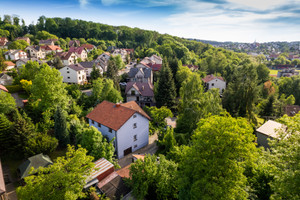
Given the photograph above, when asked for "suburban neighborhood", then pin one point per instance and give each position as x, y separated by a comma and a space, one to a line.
92, 111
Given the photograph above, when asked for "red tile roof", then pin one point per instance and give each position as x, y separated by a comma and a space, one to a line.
211, 77
9, 63
88, 46
155, 67
115, 115
2, 87
76, 49
51, 47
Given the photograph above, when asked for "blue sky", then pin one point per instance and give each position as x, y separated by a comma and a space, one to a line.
220, 20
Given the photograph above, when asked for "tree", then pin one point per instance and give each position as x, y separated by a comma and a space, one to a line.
44, 35
165, 92
48, 90
284, 157
57, 63
97, 145
40, 143
166, 140
153, 179
62, 180
195, 104
18, 44
5, 134
7, 102
262, 73
60, 127
213, 166
95, 74
158, 116
26, 85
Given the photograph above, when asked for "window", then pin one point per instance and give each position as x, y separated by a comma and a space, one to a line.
79, 78
67, 68
132, 92
212, 84
68, 72
135, 138
134, 116
110, 130
134, 125
93, 122
68, 77
99, 125
135, 146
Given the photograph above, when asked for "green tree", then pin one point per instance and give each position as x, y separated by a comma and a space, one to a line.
40, 143
57, 63
62, 180
48, 90
60, 127
96, 145
44, 35
7, 102
18, 44
165, 93
152, 179
213, 166
284, 157
95, 74
5, 134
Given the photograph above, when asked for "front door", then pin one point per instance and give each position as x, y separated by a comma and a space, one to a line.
127, 151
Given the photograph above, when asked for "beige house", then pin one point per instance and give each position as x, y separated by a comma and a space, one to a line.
74, 73
68, 58
36, 52
269, 130
80, 51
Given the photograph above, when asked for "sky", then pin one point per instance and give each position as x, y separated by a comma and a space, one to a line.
217, 20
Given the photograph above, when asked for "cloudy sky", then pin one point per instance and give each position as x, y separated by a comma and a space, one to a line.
219, 20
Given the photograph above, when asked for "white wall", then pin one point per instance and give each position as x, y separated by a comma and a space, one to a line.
73, 76
103, 129
125, 135
217, 83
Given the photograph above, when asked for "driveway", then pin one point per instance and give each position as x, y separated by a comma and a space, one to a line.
151, 148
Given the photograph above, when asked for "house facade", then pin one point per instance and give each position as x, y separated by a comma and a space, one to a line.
3, 43
68, 58
73, 74
36, 52
26, 39
88, 47
127, 123
140, 74
88, 66
122, 53
141, 93
212, 81
15, 55
48, 49
80, 51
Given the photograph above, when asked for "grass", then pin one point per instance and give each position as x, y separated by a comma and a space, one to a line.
273, 72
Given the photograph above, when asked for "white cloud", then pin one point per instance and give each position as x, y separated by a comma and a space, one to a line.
259, 4
83, 3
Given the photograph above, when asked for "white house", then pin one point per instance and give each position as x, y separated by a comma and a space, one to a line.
126, 122
73, 74
212, 81
15, 55
88, 66
68, 58
81, 52
102, 60
9, 65
269, 130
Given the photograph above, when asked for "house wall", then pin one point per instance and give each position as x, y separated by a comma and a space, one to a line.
217, 83
262, 139
125, 135
103, 129
72, 76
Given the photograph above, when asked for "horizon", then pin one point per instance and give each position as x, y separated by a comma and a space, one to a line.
216, 20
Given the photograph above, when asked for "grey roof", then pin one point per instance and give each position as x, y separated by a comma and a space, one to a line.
76, 67
87, 64
36, 161
134, 71
271, 128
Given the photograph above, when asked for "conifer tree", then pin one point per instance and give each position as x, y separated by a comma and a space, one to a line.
5, 133
60, 127
165, 93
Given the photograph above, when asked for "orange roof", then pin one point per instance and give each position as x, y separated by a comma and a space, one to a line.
124, 172
211, 77
115, 115
137, 156
9, 63
88, 46
2, 87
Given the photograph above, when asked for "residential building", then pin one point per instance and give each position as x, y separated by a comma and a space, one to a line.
48, 42
154, 59
212, 81
122, 53
74, 73
15, 55
26, 39
88, 66
3, 194
88, 47
74, 43
9, 65
287, 73
268, 130
139, 74
68, 58
102, 60
21, 62
81, 52
35, 52
3, 43
5, 79
35, 162
127, 123
48, 49
141, 93
291, 110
